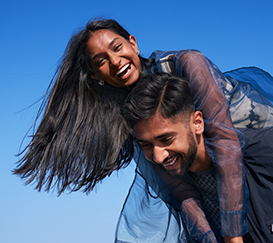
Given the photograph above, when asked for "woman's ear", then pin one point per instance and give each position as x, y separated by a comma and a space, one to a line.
133, 43
198, 122
94, 76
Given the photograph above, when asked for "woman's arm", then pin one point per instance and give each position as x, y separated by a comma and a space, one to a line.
223, 144
228, 239
189, 198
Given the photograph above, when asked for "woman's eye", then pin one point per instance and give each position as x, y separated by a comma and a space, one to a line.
99, 62
117, 47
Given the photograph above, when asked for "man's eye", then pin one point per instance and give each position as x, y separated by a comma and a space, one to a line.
143, 145
167, 140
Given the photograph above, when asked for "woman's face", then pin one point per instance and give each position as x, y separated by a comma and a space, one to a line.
113, 58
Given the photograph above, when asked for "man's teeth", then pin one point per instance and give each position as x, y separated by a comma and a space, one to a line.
122, 69
171, 163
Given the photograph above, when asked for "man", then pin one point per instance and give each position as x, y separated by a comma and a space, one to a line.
174, 140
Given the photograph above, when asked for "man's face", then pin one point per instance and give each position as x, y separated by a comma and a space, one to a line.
170, 143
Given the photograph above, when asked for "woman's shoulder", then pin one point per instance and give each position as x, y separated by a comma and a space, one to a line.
159, 54
167, 61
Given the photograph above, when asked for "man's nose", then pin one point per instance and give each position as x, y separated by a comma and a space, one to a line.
159, 154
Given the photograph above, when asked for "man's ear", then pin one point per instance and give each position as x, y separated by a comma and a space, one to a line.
198, 122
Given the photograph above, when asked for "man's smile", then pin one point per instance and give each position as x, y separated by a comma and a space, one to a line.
170, 164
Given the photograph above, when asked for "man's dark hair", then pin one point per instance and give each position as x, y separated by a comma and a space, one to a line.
161, 93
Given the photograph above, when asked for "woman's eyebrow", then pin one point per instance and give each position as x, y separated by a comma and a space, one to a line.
110, 44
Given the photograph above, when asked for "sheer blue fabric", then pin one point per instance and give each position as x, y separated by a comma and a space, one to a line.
145, 217
256, 77
224, 100
250, 97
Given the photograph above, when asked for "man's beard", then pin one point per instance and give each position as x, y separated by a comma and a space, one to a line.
186, 160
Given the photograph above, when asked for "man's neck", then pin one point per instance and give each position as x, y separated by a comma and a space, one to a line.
202, 161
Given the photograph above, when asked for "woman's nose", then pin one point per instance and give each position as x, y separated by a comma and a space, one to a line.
114, 60
159, 154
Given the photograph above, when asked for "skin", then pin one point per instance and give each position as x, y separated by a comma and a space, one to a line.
174, 144
167, 142
113, 58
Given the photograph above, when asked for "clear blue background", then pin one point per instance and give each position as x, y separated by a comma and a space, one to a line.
34, 34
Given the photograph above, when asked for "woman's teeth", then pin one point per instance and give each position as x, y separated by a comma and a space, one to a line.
119, 72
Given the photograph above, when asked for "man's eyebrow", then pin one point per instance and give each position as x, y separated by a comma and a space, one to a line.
158, 137
165, 135
110, 44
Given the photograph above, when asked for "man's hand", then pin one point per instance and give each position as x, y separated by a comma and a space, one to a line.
238, 239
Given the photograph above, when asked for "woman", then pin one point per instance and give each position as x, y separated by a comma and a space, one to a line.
82, 137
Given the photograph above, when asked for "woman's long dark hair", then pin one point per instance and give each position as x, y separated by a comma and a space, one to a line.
82, 136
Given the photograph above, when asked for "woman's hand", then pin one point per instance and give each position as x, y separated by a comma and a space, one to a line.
238, 239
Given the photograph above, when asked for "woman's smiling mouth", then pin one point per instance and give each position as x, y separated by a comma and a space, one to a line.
124, 72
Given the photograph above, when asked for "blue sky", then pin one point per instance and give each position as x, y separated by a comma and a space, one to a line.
34, 34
